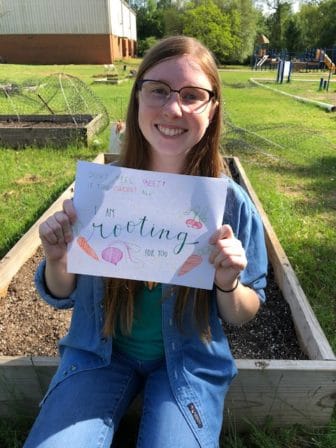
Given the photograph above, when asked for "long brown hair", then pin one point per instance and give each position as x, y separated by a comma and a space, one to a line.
204, 159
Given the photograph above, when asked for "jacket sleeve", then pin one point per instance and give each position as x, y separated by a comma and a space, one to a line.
40, 284
247, 226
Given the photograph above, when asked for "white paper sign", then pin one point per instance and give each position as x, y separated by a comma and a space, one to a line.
145, 225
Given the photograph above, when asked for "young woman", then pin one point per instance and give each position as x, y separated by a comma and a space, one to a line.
167, 342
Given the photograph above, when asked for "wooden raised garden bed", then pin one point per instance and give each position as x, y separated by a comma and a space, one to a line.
289, 391
47, 130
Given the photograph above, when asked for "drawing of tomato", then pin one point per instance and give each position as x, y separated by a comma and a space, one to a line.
194, 224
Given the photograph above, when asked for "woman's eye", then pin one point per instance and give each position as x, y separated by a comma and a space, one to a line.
192, 96
160, 91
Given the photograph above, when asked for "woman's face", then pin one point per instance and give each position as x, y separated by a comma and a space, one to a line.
170, 130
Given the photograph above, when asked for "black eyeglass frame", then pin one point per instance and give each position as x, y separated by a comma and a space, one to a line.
140, 83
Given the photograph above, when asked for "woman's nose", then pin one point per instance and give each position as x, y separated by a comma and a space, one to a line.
173, 105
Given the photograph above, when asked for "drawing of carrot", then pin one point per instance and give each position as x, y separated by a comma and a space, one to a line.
85, 246
190, 263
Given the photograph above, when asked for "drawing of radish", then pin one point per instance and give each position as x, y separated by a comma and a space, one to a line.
85, 246
112, 255
194, 224
190, 263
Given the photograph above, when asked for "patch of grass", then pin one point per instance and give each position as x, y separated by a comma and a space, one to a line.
305, 87
14, 431
268, 436
30, 181
288, 151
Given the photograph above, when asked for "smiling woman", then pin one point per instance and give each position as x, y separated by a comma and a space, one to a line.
175, 109
173, 125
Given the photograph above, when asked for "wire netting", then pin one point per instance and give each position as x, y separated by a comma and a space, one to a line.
276, 140
57, 94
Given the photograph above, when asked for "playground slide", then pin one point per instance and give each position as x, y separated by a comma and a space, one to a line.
262, 60
328, 62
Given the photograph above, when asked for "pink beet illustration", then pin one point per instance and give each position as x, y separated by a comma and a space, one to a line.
112, 255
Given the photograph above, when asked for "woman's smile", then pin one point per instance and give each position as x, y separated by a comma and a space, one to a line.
170, 131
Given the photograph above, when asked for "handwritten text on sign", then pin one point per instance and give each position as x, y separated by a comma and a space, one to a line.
145, 225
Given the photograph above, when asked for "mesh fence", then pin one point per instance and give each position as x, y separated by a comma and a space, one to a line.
57, 94
278, 141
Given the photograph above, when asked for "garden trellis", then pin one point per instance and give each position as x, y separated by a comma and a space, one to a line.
58, 94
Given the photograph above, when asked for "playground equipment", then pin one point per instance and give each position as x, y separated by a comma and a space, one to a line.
262, 61
310, 60
323, 57
261, 53
284, 71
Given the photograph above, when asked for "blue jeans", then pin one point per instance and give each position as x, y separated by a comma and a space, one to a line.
84, 410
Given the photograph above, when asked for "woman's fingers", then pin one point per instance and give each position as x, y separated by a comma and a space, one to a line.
70, 211
57, 229
222, 233
228, 253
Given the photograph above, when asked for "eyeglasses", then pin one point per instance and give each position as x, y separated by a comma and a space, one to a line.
158, 93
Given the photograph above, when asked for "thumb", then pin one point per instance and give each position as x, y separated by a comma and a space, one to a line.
222, 233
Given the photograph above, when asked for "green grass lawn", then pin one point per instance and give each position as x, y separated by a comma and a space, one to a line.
306, 85
288, 151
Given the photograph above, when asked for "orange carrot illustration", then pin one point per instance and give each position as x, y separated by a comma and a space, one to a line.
189, 264
85, 246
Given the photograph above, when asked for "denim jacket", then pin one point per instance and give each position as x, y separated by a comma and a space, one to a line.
199, 373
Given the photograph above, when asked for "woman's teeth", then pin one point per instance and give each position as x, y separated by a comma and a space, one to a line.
169, 131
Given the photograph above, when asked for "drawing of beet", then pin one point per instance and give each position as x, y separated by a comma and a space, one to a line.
85, 246
190, 263
112, 255
194, 224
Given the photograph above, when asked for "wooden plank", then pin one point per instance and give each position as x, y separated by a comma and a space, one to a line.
20, 389
44, 367
83, 118
312, 338
302, 392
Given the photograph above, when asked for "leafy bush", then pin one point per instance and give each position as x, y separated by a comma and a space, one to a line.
145, 44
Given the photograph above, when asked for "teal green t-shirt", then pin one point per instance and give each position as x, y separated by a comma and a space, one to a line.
145, 341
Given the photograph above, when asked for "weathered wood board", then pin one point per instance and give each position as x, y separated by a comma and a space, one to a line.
47, 130
289, 392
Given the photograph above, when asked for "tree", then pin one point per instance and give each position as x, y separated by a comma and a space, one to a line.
211, 26
150, 21
277, 24
327, 33
309, 20
292, 35
243, 17
172, 21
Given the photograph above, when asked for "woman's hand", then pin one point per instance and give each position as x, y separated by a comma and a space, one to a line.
228, 257
56, 232
236, 303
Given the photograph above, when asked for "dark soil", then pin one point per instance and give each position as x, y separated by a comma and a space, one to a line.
28, 326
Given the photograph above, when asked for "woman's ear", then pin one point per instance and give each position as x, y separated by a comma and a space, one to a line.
213, 109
